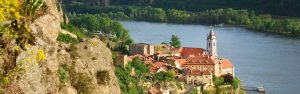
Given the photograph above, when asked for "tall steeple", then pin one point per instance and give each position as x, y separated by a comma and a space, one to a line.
212, 43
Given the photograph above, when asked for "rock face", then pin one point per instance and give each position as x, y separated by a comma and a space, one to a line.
38, 68
95, 56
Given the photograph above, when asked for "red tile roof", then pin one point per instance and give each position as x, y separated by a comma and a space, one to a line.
226, 64
187, 51
206, 72
153, 69
181, 61
195, 73
156, 66
200, 60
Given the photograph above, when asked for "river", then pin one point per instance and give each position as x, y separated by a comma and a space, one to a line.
259, 58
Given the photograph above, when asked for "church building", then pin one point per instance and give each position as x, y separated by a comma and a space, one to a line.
202, 64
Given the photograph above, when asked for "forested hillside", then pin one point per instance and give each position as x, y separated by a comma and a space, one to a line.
275, 7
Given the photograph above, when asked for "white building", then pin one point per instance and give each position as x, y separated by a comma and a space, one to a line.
212, 44
226, 67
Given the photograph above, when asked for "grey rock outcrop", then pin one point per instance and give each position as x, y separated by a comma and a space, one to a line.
38, 66
95, 56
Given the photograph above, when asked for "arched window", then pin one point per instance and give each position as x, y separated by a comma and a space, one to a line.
209, 44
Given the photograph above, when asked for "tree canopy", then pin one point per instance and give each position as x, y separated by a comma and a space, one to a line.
175, 42
109, 30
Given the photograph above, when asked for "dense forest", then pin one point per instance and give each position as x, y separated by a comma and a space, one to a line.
246, 18
274, 7
208, 12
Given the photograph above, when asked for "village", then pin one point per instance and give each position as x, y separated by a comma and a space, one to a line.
193, 66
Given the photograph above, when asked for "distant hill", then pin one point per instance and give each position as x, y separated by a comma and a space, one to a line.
274, 7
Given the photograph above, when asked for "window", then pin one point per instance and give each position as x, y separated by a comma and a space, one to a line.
208, 44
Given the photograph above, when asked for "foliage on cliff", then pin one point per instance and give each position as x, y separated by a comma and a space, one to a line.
142, 80
14, 28
15, 38
130, 84
15, 17
33, 62
67, 38
111, 32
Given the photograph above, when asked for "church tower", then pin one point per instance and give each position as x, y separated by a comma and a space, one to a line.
212, 43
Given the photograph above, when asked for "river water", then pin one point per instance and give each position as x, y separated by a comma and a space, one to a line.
259, 58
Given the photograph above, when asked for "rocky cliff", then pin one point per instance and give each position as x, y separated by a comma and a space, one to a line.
56, 68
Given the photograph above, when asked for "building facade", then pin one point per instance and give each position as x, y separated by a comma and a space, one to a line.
141, 49
121, 60
199, 78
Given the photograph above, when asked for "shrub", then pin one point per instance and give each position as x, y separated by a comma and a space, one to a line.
218, 80
103, 77
67, 38
82, 83
235, 83
63, 73
73, 51
5, 80
228, 78
80, 33
94, 58
194, 91
164, 76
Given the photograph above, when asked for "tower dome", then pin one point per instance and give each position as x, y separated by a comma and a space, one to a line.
211, 35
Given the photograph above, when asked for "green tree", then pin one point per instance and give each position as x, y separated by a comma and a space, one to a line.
228, 78
110, 31
194, 91
164, 76
175, 42
218, 81
139, 66
235, 83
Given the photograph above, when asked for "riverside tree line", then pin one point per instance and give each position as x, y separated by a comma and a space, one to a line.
229, 16
274, 7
